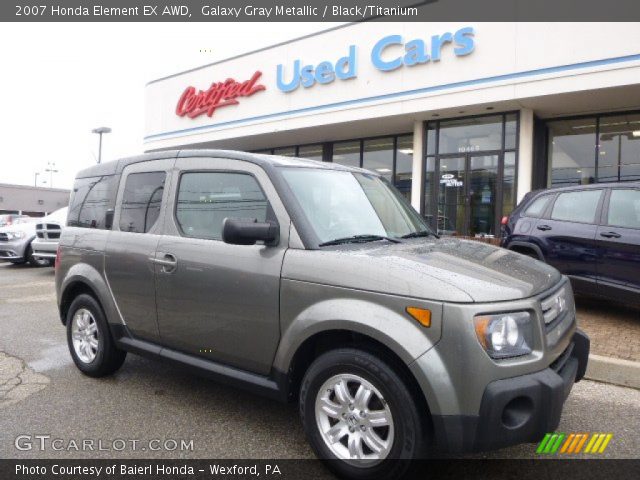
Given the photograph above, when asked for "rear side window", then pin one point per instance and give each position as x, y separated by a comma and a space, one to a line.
90, 201
205, 199
624, 208
537, 207
141, 201
578, 206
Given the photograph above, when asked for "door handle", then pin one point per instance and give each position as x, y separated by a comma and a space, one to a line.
168, 262
544, 228
610, 235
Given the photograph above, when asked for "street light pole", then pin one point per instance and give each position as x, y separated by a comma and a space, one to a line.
35, 180
100, 131
51, 170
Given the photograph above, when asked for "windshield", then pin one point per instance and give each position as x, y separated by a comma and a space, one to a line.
341, 204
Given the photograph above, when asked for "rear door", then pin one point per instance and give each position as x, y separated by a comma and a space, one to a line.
568, 233
619, 241
216, 300
137, 224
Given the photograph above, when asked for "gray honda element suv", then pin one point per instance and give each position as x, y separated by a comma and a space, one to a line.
317, 283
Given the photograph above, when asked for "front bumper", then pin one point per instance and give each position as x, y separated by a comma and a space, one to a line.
518, 409
43, 249
12, 250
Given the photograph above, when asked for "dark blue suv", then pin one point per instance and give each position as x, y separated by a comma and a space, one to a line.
591, 233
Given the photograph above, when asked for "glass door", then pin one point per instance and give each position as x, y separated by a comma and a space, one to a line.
482, 194
452, 195
467, 193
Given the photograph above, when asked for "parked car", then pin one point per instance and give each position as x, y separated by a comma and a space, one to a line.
317, 283
11, 218
591, 233
15, 242
48, 229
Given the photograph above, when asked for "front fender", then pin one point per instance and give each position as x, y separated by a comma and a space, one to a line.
308, 309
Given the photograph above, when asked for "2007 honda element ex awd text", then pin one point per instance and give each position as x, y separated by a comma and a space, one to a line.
317, 283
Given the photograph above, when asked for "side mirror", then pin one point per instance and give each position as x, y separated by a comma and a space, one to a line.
242, 231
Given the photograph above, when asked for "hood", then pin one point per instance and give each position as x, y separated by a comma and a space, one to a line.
59, 217
27, 227
448, 270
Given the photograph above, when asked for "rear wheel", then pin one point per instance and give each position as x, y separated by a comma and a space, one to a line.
89, 339
359, 415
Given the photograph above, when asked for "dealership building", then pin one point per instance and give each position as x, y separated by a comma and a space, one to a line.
464, 118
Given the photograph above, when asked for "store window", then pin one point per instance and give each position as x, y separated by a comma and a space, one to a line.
378, 156
205, 199
571, 151
470, 174
391, 157
404, 165
285, 151
470, 135
597, 149
619, 148
312, 152
141, 201
347, 153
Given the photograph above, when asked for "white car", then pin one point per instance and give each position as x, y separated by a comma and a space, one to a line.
48, 230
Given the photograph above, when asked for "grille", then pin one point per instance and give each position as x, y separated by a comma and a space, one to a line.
48, 231
554, 306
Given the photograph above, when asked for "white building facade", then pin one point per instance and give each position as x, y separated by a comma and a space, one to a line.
464, 118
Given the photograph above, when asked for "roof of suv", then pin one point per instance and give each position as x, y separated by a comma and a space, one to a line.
588, 186
116, 166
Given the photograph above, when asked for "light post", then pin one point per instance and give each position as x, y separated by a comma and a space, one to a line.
51, 169
100, 131
35, 180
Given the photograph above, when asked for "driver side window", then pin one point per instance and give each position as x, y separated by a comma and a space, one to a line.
205, 199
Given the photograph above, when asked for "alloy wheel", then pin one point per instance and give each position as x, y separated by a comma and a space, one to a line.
84, 333
354, 420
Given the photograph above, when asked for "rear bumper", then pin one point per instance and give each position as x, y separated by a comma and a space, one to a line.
519, 409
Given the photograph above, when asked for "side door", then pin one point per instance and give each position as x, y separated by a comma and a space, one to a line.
567, 232
137, 223
618, 238
216, 300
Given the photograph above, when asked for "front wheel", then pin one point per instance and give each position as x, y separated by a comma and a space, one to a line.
36, 261
359, 415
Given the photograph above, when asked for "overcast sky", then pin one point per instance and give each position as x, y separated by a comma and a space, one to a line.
58, 81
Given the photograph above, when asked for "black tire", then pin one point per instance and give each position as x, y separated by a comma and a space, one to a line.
409, 433
108, 358
35, 262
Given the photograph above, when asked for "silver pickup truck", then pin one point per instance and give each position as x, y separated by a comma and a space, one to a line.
317, 283
48, 230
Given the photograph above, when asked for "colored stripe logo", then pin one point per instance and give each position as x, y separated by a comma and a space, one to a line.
562, 443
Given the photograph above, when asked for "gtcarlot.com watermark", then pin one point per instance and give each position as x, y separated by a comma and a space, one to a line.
47, 442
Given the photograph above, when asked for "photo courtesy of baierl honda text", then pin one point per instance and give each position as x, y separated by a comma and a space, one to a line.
304, 240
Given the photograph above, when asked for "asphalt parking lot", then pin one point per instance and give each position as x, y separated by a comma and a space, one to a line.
42, 393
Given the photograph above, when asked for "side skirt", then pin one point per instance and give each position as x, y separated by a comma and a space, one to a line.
259, 384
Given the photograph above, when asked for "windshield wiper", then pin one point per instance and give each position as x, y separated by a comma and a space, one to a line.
358, 239
421, 233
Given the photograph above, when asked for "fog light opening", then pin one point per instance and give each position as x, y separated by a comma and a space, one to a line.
517, 412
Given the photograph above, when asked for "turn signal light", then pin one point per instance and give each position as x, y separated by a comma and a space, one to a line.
58, 258
422, 315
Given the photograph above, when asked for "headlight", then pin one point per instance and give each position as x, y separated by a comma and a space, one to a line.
15, 235
505, 335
